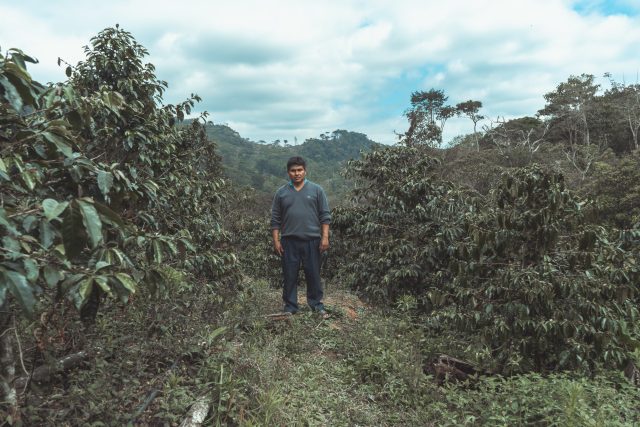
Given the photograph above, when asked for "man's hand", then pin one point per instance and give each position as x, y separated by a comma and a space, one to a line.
324, 238
324, 244
277, 248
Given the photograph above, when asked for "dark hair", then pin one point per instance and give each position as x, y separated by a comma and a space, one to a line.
296, 161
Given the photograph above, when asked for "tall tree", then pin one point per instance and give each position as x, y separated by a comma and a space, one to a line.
569, 106
471, 109
427, 116
625, 100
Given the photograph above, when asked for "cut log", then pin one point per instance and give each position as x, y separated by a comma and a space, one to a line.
447, 373
45, 372
447, 368
198, 412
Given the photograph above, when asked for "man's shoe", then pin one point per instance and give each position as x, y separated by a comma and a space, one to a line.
323, 313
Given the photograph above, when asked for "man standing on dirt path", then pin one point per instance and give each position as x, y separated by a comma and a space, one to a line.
300, 219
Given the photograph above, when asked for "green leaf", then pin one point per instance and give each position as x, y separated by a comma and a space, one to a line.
20, 289
11, 244
105, 182
126, 281
47, 234
123, 285
28, 179
70, 281
32, 269
101, 264
171, 246
73, 234
109, 216
52, 209
59, 142
5, 221
52, 275
29, 223
83, 291
157, 251
18, 53
91, 221
19, 61
11, 94
21, 81
104, 285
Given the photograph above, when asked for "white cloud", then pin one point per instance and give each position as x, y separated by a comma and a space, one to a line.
288, 68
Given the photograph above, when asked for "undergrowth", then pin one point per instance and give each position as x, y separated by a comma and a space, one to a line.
361, 367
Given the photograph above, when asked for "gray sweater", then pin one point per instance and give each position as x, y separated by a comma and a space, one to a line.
299, 213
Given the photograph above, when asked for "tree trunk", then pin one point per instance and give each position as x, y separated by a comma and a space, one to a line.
7, 361
634, 132
45, 372
586, 129
475, 135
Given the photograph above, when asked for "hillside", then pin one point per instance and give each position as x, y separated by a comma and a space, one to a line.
494, 282
262, 166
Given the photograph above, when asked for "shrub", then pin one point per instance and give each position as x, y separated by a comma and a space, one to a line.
100, 189
522, 273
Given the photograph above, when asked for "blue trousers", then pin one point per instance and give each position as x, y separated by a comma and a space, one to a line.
307, 252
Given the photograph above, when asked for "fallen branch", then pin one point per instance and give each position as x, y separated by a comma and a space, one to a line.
198, 412
152, 395
278, 316
45, 372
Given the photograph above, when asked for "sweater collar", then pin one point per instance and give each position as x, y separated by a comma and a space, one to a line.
291, 183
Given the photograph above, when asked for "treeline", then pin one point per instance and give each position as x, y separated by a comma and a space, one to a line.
263, 166
577, 112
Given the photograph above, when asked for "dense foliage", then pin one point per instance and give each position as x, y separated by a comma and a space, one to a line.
523, 273
100, 190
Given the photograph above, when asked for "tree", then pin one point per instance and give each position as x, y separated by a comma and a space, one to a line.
100, 189
569, 107
521, 274
471, 109
427, 116
626, 103
527, 132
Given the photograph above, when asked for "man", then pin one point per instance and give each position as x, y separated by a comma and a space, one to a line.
300, 219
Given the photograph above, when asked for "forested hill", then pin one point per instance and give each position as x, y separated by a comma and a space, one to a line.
263, 166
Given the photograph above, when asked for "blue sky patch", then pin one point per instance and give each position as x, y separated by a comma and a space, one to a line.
608, 7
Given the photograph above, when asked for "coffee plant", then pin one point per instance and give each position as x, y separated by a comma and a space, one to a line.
523, 273
99, 187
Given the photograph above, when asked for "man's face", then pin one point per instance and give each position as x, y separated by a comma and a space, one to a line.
297, 174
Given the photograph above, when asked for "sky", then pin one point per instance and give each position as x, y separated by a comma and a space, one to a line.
294, 69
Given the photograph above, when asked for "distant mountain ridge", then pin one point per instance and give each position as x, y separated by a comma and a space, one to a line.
263, 166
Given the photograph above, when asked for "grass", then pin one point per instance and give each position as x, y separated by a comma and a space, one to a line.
361, 367
365, 367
